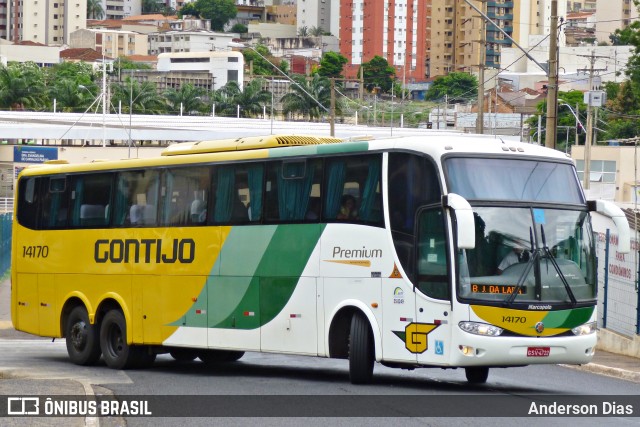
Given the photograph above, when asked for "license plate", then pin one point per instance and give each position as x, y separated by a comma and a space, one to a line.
538, 351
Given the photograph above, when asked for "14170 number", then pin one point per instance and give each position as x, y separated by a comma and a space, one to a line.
35, 251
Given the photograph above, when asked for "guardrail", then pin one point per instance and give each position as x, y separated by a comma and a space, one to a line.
5, 243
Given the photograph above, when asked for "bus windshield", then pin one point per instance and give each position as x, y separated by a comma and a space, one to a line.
513, 180
529, 255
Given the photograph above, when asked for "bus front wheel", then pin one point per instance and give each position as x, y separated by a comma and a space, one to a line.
361, 350
83, 343
477, 375
113, 340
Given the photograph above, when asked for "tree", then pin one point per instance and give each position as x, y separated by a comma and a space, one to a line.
151, 6
123, 63
332, 64
188, 9
22, 86
251, 99
94, 9
71, 97
565, 118
624, 36
187, 99
80, 72
456, 86
239, 28
305, 96
261, 66
144, 96
378, 74
316, 31
303, 31
219, 12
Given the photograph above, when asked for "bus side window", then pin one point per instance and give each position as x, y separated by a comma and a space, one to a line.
136, 198
290, 187
28, 202
90, 196
54, 202
238, 193
186, 194
352, 189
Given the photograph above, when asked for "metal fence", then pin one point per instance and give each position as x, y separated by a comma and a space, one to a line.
618, 297
5, 243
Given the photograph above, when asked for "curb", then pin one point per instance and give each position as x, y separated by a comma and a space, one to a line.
608, 371
6, 324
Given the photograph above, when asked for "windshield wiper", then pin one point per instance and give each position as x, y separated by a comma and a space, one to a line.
557, 267
525, 272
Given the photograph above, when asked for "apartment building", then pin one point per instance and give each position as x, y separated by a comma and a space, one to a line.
111, 43
188, 41
400, 36
612, 15
319, 13
114, 9
49, 22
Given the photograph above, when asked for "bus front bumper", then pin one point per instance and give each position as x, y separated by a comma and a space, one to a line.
475, 350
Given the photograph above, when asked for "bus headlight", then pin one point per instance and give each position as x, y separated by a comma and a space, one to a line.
480, 328
586, 329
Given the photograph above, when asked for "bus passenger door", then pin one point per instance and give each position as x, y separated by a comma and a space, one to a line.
432, 330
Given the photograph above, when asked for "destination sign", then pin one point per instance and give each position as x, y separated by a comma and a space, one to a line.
497, 289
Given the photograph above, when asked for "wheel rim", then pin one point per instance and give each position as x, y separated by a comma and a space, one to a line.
79, 335
115, 341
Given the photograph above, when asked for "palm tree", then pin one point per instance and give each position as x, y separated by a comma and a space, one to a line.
316, 31
189, 96
224, 98
71, 97
305, 97
22, 86
252, 99
94, 9
143, 97
303, 31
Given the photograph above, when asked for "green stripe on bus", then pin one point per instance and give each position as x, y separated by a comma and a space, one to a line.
568, 318
260, 268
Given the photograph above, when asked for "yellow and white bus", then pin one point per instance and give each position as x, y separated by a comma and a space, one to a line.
429, 251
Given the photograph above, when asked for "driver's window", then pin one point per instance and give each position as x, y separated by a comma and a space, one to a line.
432, 254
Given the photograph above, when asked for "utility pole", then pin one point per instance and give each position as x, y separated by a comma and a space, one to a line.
481, 58
589, 137
552, 81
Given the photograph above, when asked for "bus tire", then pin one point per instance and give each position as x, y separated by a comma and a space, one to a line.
361, 350
83, 342
213, 357
183, 354
477, 374
113, 340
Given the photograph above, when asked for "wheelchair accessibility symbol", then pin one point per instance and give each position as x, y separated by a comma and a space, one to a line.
439, 347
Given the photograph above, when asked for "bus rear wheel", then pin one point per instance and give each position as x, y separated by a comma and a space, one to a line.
113, 340
83, 343
212, 357
361, 350
183, 354
477, 375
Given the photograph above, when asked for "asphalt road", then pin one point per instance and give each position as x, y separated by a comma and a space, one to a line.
274, 383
